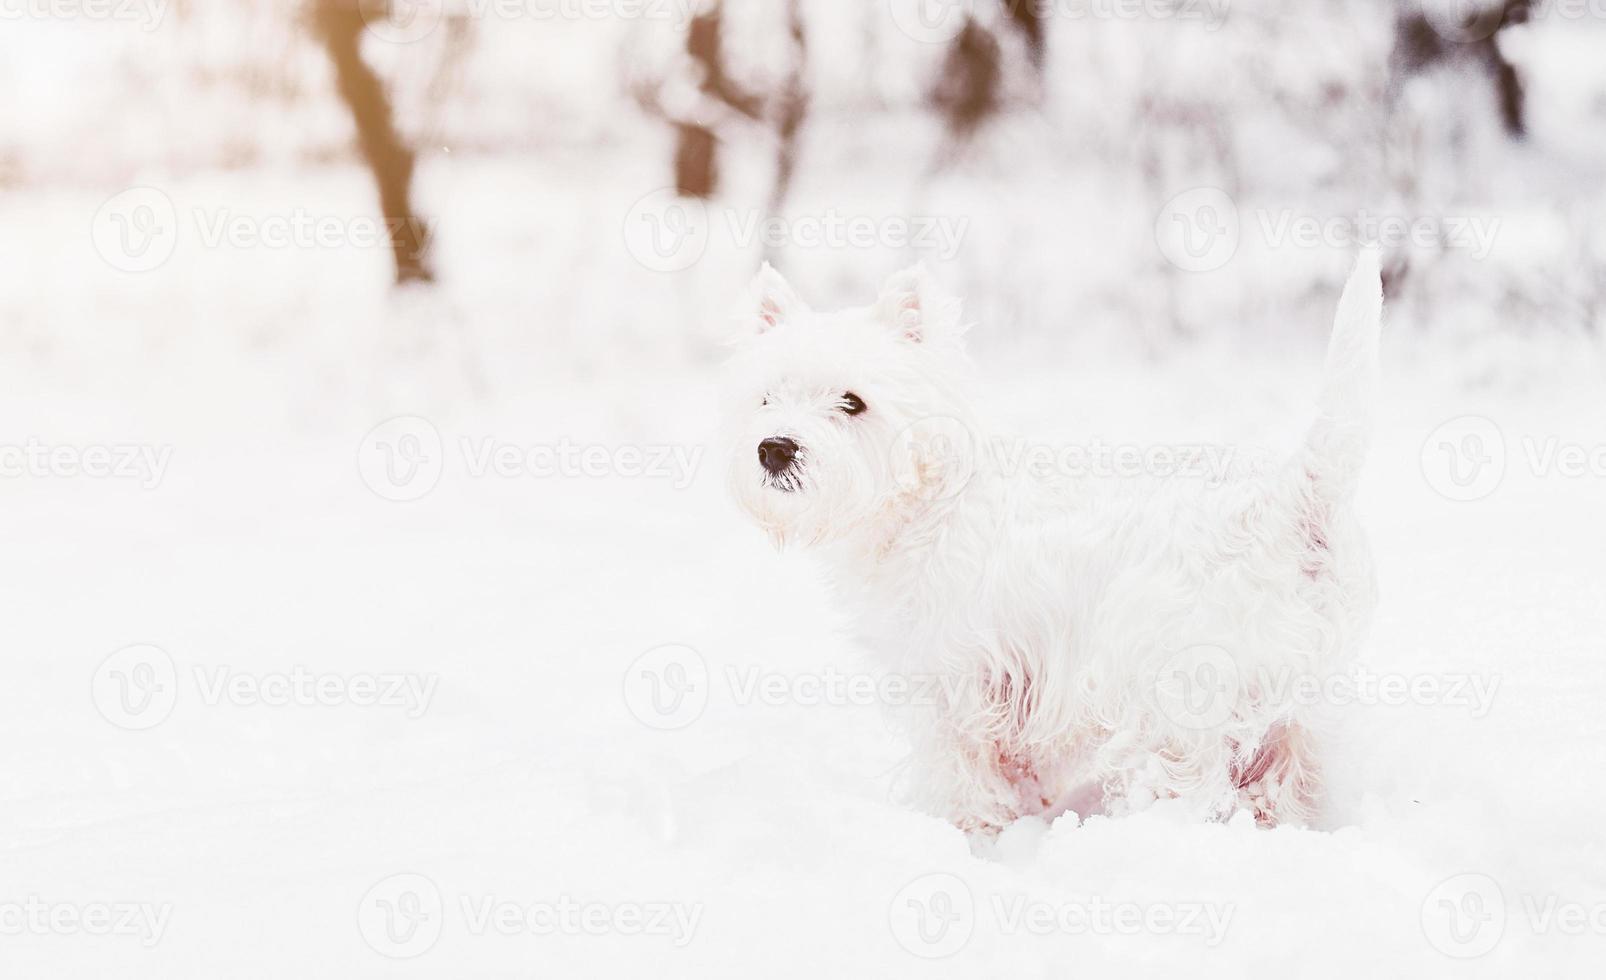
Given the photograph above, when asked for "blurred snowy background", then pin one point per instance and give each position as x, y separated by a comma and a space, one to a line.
279, 281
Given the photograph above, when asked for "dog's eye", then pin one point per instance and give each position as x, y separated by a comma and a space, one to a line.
852, 404
766, 401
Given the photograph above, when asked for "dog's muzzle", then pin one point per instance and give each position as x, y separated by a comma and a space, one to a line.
777, 455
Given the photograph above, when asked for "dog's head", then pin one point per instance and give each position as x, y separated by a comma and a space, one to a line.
834, 417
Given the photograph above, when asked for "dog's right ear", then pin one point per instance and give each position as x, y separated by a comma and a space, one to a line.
772, 300
912, 304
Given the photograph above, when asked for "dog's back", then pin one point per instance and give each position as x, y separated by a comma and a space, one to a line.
1148, 634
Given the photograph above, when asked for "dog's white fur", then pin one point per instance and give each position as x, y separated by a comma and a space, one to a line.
1056, 609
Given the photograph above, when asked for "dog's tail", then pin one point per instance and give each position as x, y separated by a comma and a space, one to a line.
1336, 444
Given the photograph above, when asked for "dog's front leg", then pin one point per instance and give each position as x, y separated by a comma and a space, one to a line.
962, 780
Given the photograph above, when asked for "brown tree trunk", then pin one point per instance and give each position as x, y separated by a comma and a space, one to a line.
1026, 15
339, 25
696, 161
969, 91
791, 108
696, 144
1472, 43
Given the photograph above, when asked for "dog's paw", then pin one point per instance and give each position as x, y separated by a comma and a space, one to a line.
1253, 798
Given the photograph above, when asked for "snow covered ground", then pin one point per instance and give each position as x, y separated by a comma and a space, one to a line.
565, 714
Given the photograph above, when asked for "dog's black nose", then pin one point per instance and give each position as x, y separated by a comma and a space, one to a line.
776, 455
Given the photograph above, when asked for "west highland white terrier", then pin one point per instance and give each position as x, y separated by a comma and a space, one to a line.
1102, 641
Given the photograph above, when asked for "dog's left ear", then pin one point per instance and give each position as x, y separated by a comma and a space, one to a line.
772, 300
912, 304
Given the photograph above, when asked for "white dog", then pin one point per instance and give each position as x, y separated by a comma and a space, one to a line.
1102, 642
